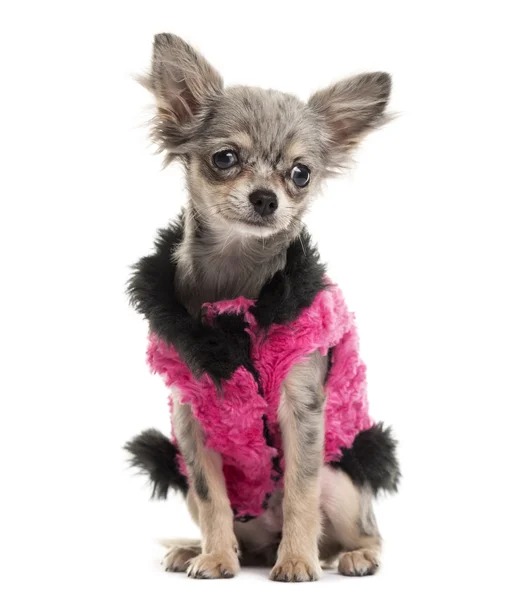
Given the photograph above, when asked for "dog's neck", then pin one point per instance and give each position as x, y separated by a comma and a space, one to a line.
216, 262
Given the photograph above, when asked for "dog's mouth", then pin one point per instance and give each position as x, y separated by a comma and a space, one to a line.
271, 222
254, 226
250, 223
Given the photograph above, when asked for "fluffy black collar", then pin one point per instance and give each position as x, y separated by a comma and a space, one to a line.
220, 349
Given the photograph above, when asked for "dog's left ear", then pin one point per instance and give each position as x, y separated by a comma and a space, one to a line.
352, 108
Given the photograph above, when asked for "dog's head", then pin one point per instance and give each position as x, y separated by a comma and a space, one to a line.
255, 157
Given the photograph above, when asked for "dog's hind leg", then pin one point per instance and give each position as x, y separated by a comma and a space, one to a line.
350, 524
179, 553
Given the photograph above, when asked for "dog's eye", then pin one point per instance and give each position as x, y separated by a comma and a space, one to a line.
300, 175
225, 159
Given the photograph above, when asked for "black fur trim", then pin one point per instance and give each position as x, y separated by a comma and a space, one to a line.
294, 287
153, 454
221, 348
329, 363
217, 350
372, 460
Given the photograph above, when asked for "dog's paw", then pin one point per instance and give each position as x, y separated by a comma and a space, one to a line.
359, 563
295, 569
177, 557
216, 565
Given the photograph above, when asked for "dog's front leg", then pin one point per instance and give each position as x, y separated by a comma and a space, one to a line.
219, 556
301, 419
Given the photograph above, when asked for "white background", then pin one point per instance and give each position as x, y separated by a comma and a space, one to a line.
425, 236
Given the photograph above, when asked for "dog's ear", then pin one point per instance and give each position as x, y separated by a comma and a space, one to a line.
351, 108
183, 82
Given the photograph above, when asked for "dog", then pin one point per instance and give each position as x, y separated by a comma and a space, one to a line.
272, 445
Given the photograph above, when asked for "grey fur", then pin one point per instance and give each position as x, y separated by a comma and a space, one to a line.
367, 522
217, 264
229, 249
189, 437
304, 398
350, 109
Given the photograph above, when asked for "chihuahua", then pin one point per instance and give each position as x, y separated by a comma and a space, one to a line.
235, 275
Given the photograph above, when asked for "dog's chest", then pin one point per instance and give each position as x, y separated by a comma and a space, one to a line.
212, 274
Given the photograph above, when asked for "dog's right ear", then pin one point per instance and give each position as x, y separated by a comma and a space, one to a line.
183, 82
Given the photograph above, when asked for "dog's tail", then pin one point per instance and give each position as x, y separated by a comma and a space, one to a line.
153, 454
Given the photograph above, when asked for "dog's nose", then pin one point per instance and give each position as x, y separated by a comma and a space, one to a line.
265, 202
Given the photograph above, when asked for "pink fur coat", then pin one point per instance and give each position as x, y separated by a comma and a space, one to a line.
241, 422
